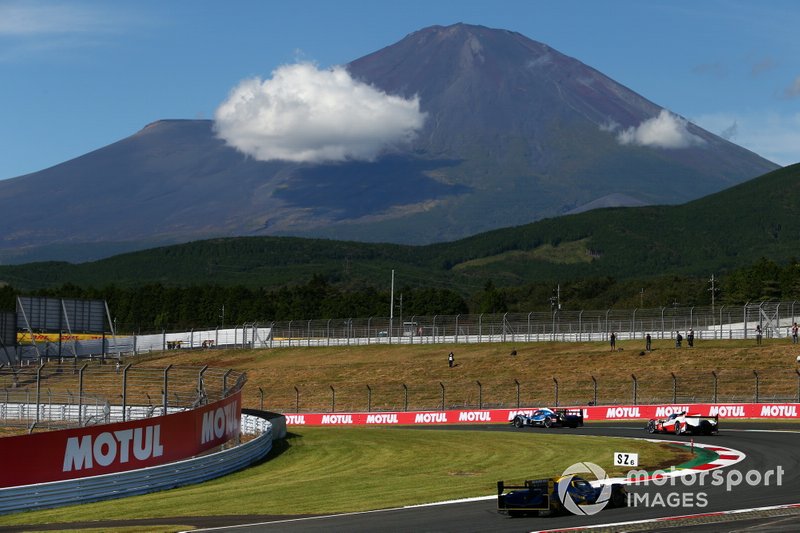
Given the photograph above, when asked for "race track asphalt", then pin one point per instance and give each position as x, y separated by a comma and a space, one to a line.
767, 447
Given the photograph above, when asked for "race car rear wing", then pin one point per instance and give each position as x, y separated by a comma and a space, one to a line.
572, 413
715, 418
538, 497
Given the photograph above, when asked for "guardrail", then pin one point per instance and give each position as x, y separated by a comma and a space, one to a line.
152, 479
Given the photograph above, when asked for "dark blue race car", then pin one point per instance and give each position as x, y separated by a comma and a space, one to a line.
548, 418
540, 496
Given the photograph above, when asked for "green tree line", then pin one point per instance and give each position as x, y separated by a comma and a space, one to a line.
154, 306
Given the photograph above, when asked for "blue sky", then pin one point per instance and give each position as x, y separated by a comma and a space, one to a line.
79, 75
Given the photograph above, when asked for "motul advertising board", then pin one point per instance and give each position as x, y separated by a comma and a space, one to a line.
109, 448
611, 412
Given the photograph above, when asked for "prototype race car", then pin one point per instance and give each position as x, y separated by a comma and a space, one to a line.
682, 423
547, 418
540, 496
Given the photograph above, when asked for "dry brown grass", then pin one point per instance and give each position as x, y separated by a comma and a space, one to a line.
422, 368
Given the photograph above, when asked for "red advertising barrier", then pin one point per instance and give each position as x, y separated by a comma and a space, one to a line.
117, 447
615, 412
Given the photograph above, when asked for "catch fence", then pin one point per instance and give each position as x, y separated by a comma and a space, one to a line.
560, 389
56, 395
774, 319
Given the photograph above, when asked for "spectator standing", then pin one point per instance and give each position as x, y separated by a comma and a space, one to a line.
758, 334
690, 338
613, 341
678, 339
647, 341
451, 359
794, 333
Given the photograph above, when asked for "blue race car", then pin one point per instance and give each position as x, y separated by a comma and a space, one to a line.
540, 496
548, 418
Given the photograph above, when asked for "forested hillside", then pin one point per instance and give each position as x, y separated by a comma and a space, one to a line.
747, 236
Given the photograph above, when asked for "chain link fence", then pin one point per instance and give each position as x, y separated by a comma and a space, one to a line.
774, 320
61, 394
568, 389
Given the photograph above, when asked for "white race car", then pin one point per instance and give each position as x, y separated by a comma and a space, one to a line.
682, 423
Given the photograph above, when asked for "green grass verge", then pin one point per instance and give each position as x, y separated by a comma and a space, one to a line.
333, 470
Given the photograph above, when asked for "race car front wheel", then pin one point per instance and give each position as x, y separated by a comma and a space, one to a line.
677, 428
518, 422
651, 426
548, 422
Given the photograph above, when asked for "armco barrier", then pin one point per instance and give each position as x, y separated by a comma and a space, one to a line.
142, 481
603, 412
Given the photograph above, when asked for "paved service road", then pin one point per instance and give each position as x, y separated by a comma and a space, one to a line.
766, 449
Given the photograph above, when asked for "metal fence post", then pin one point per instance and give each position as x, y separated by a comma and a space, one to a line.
594, 386
296, 400
164, 392
674, 388
333, 399
634, 389
369, 398
80, 393
125, 389
480, 394
755, 373
442, 386
555, 381
405, 397
261, 398
713, 373
201, 384
517, 384
38, 388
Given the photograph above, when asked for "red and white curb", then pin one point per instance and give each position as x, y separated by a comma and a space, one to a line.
670, 518
725, 457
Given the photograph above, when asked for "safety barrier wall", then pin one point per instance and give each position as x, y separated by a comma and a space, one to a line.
145, 480
605, 412
120, 446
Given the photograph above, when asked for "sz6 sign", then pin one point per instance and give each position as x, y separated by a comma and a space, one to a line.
626, 459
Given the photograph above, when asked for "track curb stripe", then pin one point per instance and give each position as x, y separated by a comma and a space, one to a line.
670, 518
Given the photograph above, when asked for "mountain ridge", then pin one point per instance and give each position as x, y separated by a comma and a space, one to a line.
516, 132
695, 238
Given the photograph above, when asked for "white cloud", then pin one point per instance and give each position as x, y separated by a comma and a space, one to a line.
47, 18
793, 91
36, 29
664, 131
304, 114
771, 135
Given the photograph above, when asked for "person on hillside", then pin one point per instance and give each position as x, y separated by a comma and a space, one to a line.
758, 334
794, 333
647, 341
678, 339
613, 340
451, 359
690, 338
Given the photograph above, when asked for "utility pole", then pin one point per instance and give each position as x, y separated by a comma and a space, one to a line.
713, 294
391, 308
555, 301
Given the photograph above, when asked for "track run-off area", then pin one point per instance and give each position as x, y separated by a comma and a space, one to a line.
753, 481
